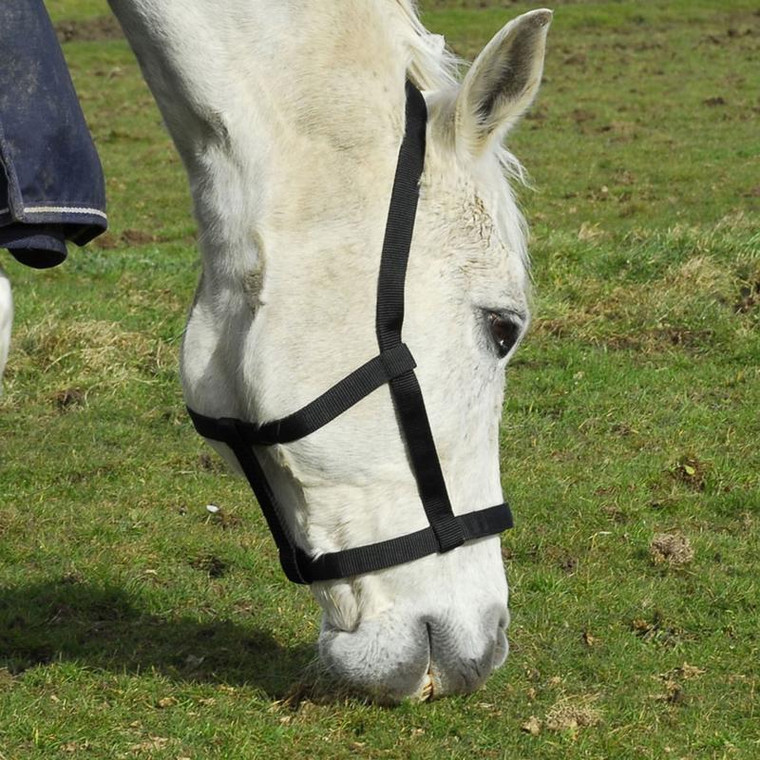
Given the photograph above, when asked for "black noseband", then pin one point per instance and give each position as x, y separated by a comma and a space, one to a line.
393, 365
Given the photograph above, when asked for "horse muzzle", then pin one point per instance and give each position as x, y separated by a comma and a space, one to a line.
418, 657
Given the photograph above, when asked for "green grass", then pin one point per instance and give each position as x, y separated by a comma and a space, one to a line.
135, 624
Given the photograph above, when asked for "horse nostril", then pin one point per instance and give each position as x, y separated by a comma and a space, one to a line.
500, 649
460, 663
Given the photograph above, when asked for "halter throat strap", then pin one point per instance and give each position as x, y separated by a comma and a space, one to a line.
394, 365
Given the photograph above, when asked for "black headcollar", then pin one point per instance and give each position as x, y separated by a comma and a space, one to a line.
393, 365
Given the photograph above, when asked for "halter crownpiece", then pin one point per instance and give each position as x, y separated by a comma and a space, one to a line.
395, 366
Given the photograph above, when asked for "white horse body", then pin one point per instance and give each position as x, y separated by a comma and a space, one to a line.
6, 322
288, 116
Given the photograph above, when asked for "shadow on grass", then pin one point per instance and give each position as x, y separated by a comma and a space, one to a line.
105, 627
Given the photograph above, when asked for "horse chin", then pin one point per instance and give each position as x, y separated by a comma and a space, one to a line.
411, 650
369, 662
426, 663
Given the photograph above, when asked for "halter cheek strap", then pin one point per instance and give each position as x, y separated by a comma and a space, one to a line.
393, 365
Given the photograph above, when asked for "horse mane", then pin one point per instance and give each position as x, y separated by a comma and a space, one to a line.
432, 66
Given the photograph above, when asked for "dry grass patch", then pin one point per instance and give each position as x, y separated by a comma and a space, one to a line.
88, 351
685, 288
701, 276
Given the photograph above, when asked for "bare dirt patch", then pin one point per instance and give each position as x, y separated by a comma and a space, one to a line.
658, 630
129, 238
690, 472
214, 566
684, 672
570, 715
221, 518
659, 339
532, 726
674, 693
749, 295
137, 237
91, 30
212, 463
69, 398
673, 549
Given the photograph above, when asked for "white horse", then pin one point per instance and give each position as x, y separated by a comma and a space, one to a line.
288, 116
6, 322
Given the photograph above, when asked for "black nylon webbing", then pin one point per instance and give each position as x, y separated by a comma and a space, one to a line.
298, 566
399, 228
384, 554
289, 551
394, 365
342, 396
389, 320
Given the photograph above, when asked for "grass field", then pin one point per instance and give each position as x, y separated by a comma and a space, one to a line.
134, 624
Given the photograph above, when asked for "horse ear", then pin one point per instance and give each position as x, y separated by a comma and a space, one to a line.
503, 81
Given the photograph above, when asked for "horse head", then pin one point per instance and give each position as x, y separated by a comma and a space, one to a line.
289, 117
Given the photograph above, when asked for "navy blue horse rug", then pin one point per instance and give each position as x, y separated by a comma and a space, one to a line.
51, 183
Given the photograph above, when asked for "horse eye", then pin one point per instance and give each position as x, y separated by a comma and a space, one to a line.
505, 330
